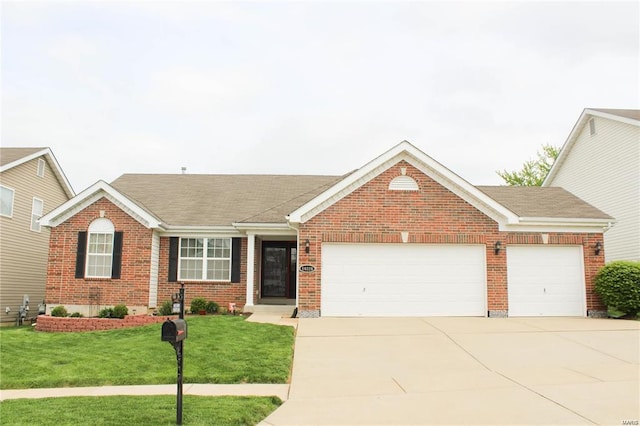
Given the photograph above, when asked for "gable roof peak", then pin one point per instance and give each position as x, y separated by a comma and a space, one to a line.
11, 157
417, 158
99, 190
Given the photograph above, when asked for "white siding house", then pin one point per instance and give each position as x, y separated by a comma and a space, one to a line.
600, 163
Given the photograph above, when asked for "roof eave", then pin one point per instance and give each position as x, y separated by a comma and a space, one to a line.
573, 136
555, 224
53, 162
93, 193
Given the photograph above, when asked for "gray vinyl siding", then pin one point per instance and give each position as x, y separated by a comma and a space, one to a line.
23, 252
604, 170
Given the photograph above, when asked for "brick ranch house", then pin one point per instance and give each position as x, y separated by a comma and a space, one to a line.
401, 236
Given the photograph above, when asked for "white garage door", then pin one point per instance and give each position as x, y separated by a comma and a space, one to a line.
403, 280
545, 280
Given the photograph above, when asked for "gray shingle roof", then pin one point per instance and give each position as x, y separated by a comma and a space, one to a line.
9, 155
220, 200
535, 201
634, 114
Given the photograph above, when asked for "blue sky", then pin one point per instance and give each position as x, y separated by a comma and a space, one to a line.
307, 87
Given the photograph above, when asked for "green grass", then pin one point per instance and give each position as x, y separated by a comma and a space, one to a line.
137, 410
218, 349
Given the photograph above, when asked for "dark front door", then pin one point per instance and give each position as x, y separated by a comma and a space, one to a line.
279, 264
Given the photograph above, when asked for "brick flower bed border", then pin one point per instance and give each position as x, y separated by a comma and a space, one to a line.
59, 324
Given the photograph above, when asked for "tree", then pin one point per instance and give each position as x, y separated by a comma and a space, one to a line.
533, 172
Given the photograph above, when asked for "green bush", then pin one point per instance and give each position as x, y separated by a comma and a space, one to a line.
198, 304
618, 285
166, 308
76, 315
59, 311
212, 307
120, 311
106, 313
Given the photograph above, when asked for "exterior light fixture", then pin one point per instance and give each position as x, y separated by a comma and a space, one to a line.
598, 247
307, 246
497, 247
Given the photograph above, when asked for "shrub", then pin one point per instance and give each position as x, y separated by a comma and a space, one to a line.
166, 308
618, 285
212, 307
198, 304
120, 311
76, 315
106, 313
59, 311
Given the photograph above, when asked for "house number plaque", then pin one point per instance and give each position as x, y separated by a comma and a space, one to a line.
307, 268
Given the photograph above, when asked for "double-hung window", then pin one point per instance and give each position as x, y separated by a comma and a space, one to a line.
6, 201
100, 249
36, 213
206, 259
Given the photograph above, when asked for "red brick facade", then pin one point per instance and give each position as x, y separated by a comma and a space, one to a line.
222, 293
374, 214
131, 289
370, 214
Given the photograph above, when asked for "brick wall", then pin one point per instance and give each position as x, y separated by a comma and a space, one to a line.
131, 289
59, 324
222, 293
373, 214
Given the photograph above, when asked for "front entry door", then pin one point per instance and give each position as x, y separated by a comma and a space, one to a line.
279, 265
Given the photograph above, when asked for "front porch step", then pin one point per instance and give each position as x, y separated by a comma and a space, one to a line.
280, 310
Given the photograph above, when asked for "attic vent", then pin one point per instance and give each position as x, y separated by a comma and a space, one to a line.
592, 127
403, 183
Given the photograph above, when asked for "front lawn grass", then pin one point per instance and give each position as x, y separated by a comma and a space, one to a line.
137, 410
218, 349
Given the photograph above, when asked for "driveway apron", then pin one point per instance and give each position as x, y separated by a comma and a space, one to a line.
415, 371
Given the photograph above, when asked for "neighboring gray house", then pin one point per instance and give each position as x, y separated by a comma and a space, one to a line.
31, 184
600, 163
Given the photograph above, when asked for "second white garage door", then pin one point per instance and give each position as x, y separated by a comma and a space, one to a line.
545, 281
403, 280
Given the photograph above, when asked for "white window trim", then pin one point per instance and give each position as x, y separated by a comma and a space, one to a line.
35, 216
204, 259
13, 200
101, 228
40, 168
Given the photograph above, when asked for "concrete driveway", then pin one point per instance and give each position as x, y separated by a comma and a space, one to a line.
394, 371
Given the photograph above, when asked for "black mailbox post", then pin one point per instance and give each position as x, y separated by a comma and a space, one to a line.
174, 332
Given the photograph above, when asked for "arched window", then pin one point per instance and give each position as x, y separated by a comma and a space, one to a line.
100, 249
403, 183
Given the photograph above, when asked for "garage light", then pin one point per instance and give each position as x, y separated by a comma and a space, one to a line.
598, 247
307, 248
497, 247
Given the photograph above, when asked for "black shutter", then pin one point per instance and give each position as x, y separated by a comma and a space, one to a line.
81, 254
174, 243
235, 260
116, 265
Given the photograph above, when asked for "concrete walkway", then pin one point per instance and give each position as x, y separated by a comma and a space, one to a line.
281, 391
